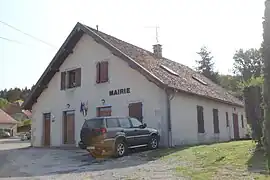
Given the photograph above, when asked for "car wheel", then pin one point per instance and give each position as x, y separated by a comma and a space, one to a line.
120, 148
153, 143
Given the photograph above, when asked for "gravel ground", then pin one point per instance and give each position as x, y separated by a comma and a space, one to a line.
23, 162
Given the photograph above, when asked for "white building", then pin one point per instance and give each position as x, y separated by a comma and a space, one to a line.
112, 77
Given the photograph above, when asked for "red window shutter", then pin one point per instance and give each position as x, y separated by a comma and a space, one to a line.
78, 77
98, 72
63, 80
101, 75
105, 71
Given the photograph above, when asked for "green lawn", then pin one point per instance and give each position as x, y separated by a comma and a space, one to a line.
230, 160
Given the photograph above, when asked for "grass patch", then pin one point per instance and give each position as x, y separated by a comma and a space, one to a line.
231, 160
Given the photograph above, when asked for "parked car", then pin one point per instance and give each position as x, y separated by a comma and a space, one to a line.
4, 134
116, 135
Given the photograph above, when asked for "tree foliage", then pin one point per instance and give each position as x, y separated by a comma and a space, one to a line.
15, 94
206, 65
248, 63
3, 103
231, 83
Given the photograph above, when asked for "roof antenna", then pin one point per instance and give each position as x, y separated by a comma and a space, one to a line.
97, 27
157, 28
157, 34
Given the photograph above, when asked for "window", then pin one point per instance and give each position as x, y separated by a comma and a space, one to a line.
102, 72
227, 120
242, 121
135, 122
71, 79
93, 123
47, 116
104, 111
169, 70
199, 80
124, 123
112, 122
215, 121
200, 119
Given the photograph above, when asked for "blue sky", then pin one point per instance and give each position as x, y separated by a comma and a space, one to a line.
185, 26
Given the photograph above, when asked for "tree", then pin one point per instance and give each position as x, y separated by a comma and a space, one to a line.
3, 103
232, 84
248, 63
206, 65
15, 94
266, 74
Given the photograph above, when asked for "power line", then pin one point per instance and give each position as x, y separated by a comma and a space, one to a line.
44, 42
15, 41
11, 40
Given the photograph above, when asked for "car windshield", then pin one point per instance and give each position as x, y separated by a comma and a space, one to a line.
93, 123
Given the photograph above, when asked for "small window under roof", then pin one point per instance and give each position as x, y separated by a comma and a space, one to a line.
199, 80
169, 70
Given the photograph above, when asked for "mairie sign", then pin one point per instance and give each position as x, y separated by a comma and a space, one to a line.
119, 91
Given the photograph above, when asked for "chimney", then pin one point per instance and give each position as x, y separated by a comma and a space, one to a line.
157, 50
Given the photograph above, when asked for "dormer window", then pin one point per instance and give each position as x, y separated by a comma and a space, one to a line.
169, 70
199, 80
71, 79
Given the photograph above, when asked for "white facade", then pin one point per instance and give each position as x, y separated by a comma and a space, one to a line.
85, 55
184, 120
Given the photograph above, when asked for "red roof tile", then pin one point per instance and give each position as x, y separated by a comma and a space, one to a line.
6, 119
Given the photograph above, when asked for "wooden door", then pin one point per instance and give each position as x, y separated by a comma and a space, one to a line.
235, 126
104, 111
47, 129
69, 127
135, 110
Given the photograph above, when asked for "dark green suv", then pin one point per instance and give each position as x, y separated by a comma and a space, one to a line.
116, 135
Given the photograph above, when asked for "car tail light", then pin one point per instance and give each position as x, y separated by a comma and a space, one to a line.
102, 130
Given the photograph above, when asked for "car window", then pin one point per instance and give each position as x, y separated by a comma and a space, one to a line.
112, 122
135, 122
93, 123
124, 123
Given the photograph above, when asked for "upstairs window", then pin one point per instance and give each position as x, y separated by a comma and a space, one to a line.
215, 121
71, 79
102, 72
200, 119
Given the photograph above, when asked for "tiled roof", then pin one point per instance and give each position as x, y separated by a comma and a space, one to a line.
5, 118
187, 80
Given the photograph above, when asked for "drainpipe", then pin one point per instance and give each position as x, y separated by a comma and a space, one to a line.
170, 96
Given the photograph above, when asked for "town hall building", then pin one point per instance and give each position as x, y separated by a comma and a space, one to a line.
95, 74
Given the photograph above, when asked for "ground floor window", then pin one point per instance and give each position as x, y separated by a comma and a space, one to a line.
104, 111
135, 110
